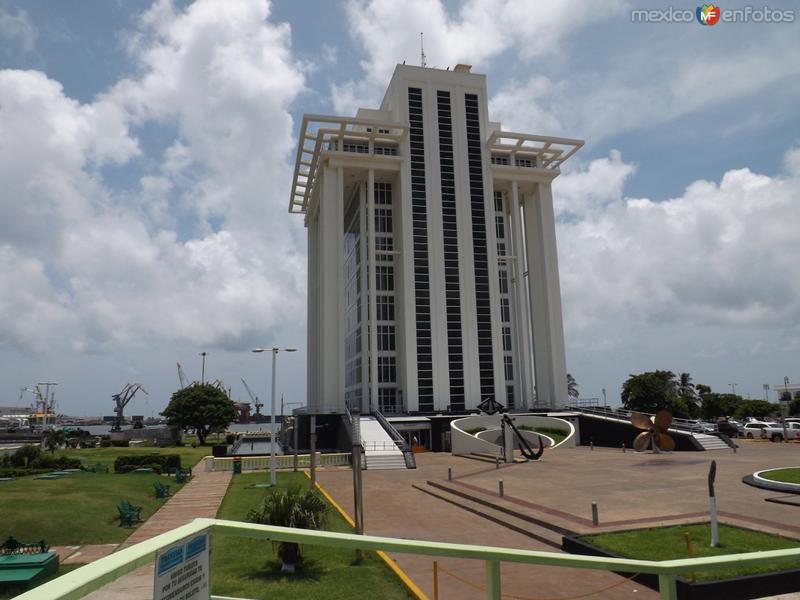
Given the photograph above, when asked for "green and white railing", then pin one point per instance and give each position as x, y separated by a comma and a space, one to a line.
93, 576
284, 461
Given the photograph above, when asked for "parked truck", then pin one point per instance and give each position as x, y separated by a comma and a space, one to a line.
775, 431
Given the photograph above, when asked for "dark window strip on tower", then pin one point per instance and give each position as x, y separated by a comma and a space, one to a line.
419, 218
450, 238
480, 250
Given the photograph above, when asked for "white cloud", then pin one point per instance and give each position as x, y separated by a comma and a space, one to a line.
721, 254
477, 33
32, 309
646, 90
18, 27
200, 250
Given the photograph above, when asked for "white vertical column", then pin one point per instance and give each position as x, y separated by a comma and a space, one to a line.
340, 356
312, 359
331, 290
520, 321
545, 294
365, 270
373, 330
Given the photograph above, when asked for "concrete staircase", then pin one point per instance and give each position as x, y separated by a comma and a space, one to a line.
710, 442
380, 451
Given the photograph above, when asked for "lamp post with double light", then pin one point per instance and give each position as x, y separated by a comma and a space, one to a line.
272, 459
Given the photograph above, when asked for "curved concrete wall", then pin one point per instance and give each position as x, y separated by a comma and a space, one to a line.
495, 436
467, 443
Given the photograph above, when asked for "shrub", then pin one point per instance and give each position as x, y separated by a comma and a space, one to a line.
25, 455
44, 461
475, 430
128, 468
22, 472
230, 438
164, 462
293, 507
120, 443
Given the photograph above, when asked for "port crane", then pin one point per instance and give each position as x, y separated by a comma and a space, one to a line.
121, 401
45, 401
254, 398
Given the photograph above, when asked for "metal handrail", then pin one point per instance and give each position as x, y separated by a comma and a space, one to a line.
350, 425
86, 579
398, 439
408, 452
687, 425
377, 445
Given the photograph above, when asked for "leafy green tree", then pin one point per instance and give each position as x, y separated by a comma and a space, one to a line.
794, 407
54, 439
702, 389
649, 392
202, 406
572, 386
714, 405
683, 407
755, 408
293, 507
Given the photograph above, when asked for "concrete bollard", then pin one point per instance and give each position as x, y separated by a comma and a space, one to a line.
591, 446
500, 488
595, 517
449, 473
623, 448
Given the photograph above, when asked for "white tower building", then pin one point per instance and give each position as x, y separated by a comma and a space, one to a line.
432, 268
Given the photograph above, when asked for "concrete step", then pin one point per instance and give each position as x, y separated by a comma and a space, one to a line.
508, 519
385, 462
710, 442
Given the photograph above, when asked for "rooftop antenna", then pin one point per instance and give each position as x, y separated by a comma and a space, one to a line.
421, 51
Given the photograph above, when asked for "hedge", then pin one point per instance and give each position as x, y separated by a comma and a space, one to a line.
164, 462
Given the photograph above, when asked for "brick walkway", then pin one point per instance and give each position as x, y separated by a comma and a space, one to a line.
201, 497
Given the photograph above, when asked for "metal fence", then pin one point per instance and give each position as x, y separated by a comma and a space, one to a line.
93, 576
285, 461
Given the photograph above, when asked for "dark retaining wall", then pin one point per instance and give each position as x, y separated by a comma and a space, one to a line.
737, 588
613, 434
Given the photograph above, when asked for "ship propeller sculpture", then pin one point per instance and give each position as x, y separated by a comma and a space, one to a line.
654, 433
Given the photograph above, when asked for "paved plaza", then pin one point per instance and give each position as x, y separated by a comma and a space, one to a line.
632, 490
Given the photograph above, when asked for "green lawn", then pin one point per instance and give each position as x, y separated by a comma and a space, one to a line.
783, 475
249, 568
77, 509
558, 435
667, 543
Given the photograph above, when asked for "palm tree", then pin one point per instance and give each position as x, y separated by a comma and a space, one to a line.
54, 439
686, 387
572, 386
293, 507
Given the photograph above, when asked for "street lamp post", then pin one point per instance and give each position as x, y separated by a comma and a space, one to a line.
203, 370
272, 459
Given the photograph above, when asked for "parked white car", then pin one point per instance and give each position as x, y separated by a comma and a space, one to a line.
775, 431
753, 429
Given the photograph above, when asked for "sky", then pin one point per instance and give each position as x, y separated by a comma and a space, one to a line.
146, 151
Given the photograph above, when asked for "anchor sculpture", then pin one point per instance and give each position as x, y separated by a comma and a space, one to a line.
524, 448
